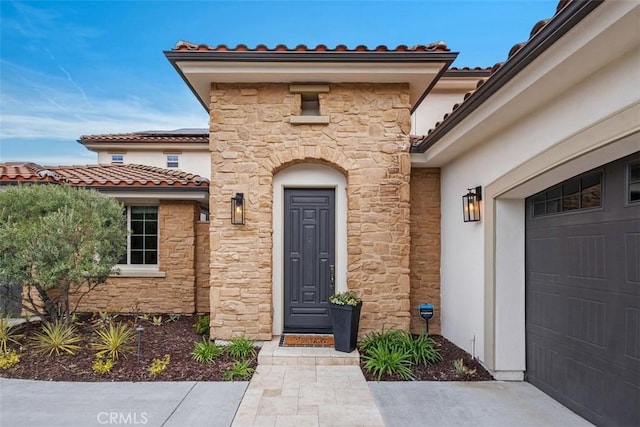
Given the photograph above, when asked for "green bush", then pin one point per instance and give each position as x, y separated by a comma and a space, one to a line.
240, 370
424, 350
8, 334
241, 348
394, 352
56, 337
382, 359
114, 340
158, 366
206, 351
202, 325
8, 359
102, 366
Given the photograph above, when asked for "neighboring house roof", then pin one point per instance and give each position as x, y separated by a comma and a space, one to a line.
104, 177
543, 34
173, 136
200, 65
468, 72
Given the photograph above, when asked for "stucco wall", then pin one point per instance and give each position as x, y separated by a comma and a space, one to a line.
425, 247
196, 162
545, 139
366, 140
174, 293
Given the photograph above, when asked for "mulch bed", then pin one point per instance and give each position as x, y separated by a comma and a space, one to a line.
175, 338
444, 370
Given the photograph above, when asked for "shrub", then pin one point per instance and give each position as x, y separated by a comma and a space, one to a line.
392, 338
424, 350
240, 370
114, 341
241, 348
394, 352
159, 365
8, 359
345, 298
381, 359
102, 366
206, 351
461, 369
202, 325
56, 337
8, 334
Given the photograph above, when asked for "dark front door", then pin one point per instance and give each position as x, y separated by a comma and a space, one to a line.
309, 257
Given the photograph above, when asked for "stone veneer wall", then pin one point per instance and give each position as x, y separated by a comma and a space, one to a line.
252, 140
202, 267
174, 293
425, 246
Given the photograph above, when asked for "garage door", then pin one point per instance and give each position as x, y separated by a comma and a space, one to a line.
583, 293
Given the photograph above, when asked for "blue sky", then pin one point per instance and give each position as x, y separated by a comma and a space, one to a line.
88, 67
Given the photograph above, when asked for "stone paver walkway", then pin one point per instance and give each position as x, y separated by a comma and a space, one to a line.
287, 395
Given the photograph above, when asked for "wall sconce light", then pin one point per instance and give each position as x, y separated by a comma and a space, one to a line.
237, 209
471, 204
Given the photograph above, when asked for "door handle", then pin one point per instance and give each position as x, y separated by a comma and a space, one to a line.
332, 277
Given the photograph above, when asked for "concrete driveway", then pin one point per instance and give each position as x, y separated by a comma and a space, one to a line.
490, 403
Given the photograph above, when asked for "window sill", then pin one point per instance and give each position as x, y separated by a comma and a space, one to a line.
129, 271
309, 120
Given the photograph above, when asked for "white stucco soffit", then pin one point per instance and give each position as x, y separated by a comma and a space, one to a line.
608, 33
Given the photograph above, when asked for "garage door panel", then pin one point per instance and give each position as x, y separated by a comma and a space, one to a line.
582, 304
585, 257
632, 258
631, 344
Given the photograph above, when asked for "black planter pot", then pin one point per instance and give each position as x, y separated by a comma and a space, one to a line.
346, 319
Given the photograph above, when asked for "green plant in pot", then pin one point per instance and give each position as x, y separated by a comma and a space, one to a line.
345, 316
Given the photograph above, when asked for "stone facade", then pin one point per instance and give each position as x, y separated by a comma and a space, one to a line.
174, 293
252, 140
202, 267
425, 246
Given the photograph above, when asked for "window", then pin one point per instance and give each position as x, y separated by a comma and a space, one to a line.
575, 194
142, 243
172, 161
633, 180
117, 158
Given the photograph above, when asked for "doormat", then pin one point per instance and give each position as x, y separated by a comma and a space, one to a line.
306, 341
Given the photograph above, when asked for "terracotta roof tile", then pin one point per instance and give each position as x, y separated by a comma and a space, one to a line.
188, 46
130, 176
180, 136
515, 49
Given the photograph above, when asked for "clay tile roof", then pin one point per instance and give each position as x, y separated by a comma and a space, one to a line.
421, 143
26, 172
188, 46
176, 136
112, 176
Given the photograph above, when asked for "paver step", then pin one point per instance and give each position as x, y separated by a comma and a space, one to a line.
272, 354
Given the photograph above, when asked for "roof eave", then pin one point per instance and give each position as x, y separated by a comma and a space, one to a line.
564, 21
443, 59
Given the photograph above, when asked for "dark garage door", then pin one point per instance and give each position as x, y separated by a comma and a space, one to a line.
583, 293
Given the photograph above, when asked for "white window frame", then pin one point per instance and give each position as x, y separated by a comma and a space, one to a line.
117, 159
171, 163
128, 265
